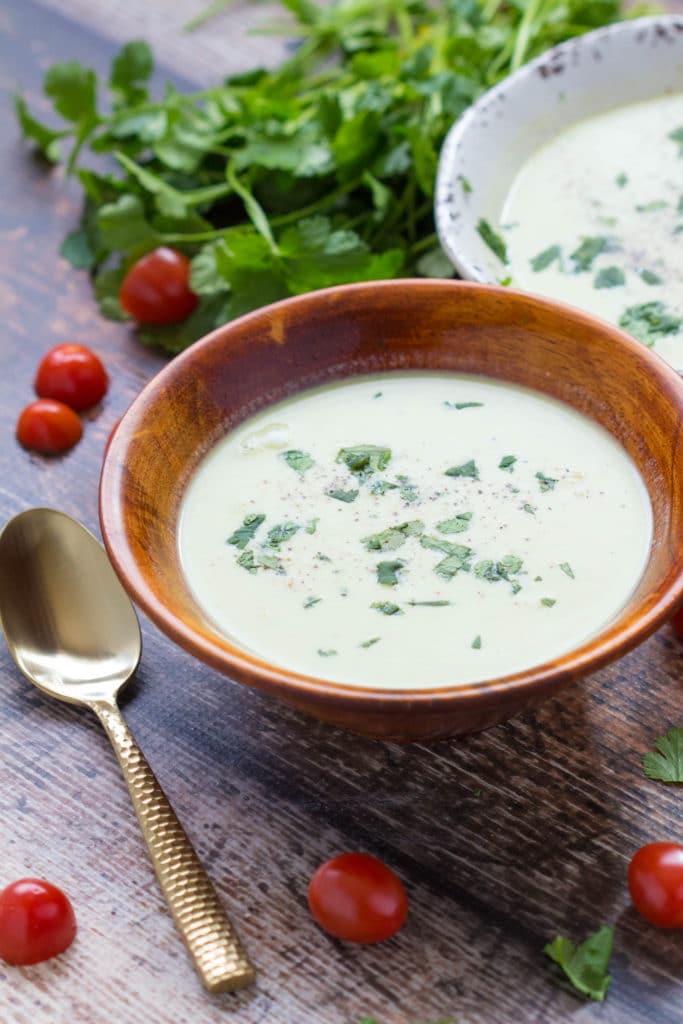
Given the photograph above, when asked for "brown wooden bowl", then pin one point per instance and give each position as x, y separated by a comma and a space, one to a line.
369, 328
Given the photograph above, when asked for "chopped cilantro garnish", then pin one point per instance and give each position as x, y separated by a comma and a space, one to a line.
408, 491
666, 765
244, 533
649, 277
465, 184
609, 277
326, 654
311, 526
246, 560
270, 562
346, 496
493, 240
387, 572
364, 459
567, 569
251, 564
656, 204
369, 643
321, 557
545, 258
428, 604
648, 321
377, 394
529, 508
463, 405
507, 462
621, 179
311, 601
457, 561
282, 532
548, 602
589, 249
394, 536
679, 208
585, 965
458, 524
298, 460
466, 469
382, 486
476, 643
386, 608
677, 136
505, 569
546, 483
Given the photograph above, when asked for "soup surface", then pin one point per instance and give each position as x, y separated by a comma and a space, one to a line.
595, 218
414, 530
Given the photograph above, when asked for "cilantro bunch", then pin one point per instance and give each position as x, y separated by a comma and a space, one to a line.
279, 182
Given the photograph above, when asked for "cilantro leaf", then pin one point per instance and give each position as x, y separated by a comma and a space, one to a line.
124, 224
281, 533
394, 536
387, 608
677, 136
387, 572
428, 604
666, 765
476, 643
468, 469
45, 138
130, 70
364, 459
585, 965
458, 524
310, 602
73, 90
247, 531
347, 496
329, 653
589, 250
546, 483
609, 277
545, 258
463, 405
649, 277
567, 570
298, 460
493, 240
648, 321
621, 179
548, 602
371, 642
507, 462
505, 569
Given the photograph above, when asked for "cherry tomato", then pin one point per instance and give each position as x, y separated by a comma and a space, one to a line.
37, 922
358, 898
49, 427
677, 621
156, 289
655, 881
72, 374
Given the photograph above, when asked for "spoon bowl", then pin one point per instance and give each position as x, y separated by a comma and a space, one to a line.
70, 626
73, 631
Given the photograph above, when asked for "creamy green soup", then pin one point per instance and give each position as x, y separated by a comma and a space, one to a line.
595, 218
414, 530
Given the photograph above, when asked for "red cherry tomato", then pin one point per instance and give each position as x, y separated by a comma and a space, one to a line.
49, 427
655, 881
37, 922
358, 898
677, 621
156, 289
72, 374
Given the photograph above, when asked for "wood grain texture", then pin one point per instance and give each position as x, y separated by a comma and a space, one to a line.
503, 839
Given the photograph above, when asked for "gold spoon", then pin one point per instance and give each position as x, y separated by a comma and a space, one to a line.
72, 631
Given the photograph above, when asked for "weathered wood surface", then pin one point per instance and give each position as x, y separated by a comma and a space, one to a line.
503, 839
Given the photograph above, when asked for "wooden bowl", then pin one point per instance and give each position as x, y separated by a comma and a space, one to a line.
369, 328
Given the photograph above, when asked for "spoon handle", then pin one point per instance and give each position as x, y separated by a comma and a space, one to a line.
211, 939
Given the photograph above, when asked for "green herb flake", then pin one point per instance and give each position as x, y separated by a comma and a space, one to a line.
546, 483
677, 136
649, 277
458, 524
298, 460
585, 965
347, 496
656, 204
648, 321
476, 643
546, 258
408, 492
452, 564
310, 602
506, 569
330, 652
428, 604
507, 462
465, 184
666, 765
382, 486
322, 557
244, 533
492, 239
387, 608
377, 394
371, 642
393, 537
468, 469
567, 570
526, 507
463, 405
609, 277
282, 532
548, 602
247, 561
589, 250
311, 526
621, 179
387, 572
364, 459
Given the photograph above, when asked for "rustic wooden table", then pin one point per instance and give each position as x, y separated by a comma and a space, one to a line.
503, 839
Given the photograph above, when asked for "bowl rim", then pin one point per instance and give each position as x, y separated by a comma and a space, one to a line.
611, 642
463, 263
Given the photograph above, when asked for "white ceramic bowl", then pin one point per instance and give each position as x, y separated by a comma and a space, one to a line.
624, 63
